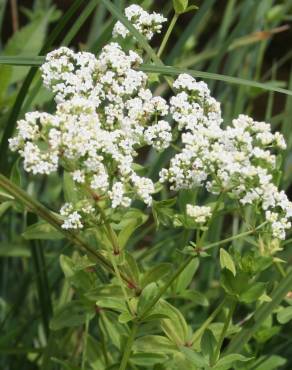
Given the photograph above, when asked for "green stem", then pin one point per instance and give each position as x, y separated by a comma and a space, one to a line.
110, 232
279, 267
231, 238
127, 351
37, 208
164, 288
197, 335
84, 352
214, 213
121, 283
167, 35
216, 355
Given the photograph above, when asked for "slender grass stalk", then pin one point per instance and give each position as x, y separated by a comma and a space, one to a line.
128, 348
80, 21
167, 35
162, 70
173, 71
43, 288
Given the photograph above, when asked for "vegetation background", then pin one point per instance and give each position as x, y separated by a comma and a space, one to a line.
248, 39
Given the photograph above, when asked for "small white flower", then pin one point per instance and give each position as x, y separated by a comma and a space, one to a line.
200, 214
72, 219
147, 24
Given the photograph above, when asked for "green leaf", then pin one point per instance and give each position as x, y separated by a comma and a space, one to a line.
195, 358
131, 268
5, 206
261, 314
234, 285
270, 362
226, 261
186, 276
5, 77
208, 344
162, 212
4, 195
125, 317
112, 328
15, 175
197, 298
14, 250
253, 292
147, 296
155, 274
154, 344
175, 326
72, 314
65, 365
284, 315
67, 264
75, 271
227, 362
148, 359
131, 221
42, 231
190, 9
180, 5
28, 41
117, 304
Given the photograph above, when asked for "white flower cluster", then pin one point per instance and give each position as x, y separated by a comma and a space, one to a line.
147, 24
200, 214
236, 160
73, 215
104, 114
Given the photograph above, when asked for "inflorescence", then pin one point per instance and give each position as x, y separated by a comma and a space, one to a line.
105, 113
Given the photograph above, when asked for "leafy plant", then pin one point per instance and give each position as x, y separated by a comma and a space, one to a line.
145, 227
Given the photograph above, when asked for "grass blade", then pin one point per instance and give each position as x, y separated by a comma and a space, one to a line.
38, 260
19, 60
168, 70
164, 70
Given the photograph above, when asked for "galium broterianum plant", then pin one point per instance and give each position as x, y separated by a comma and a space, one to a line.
106, 116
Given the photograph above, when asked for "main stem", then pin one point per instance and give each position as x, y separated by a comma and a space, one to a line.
167, 35
197, 335
128, 349
216, 355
